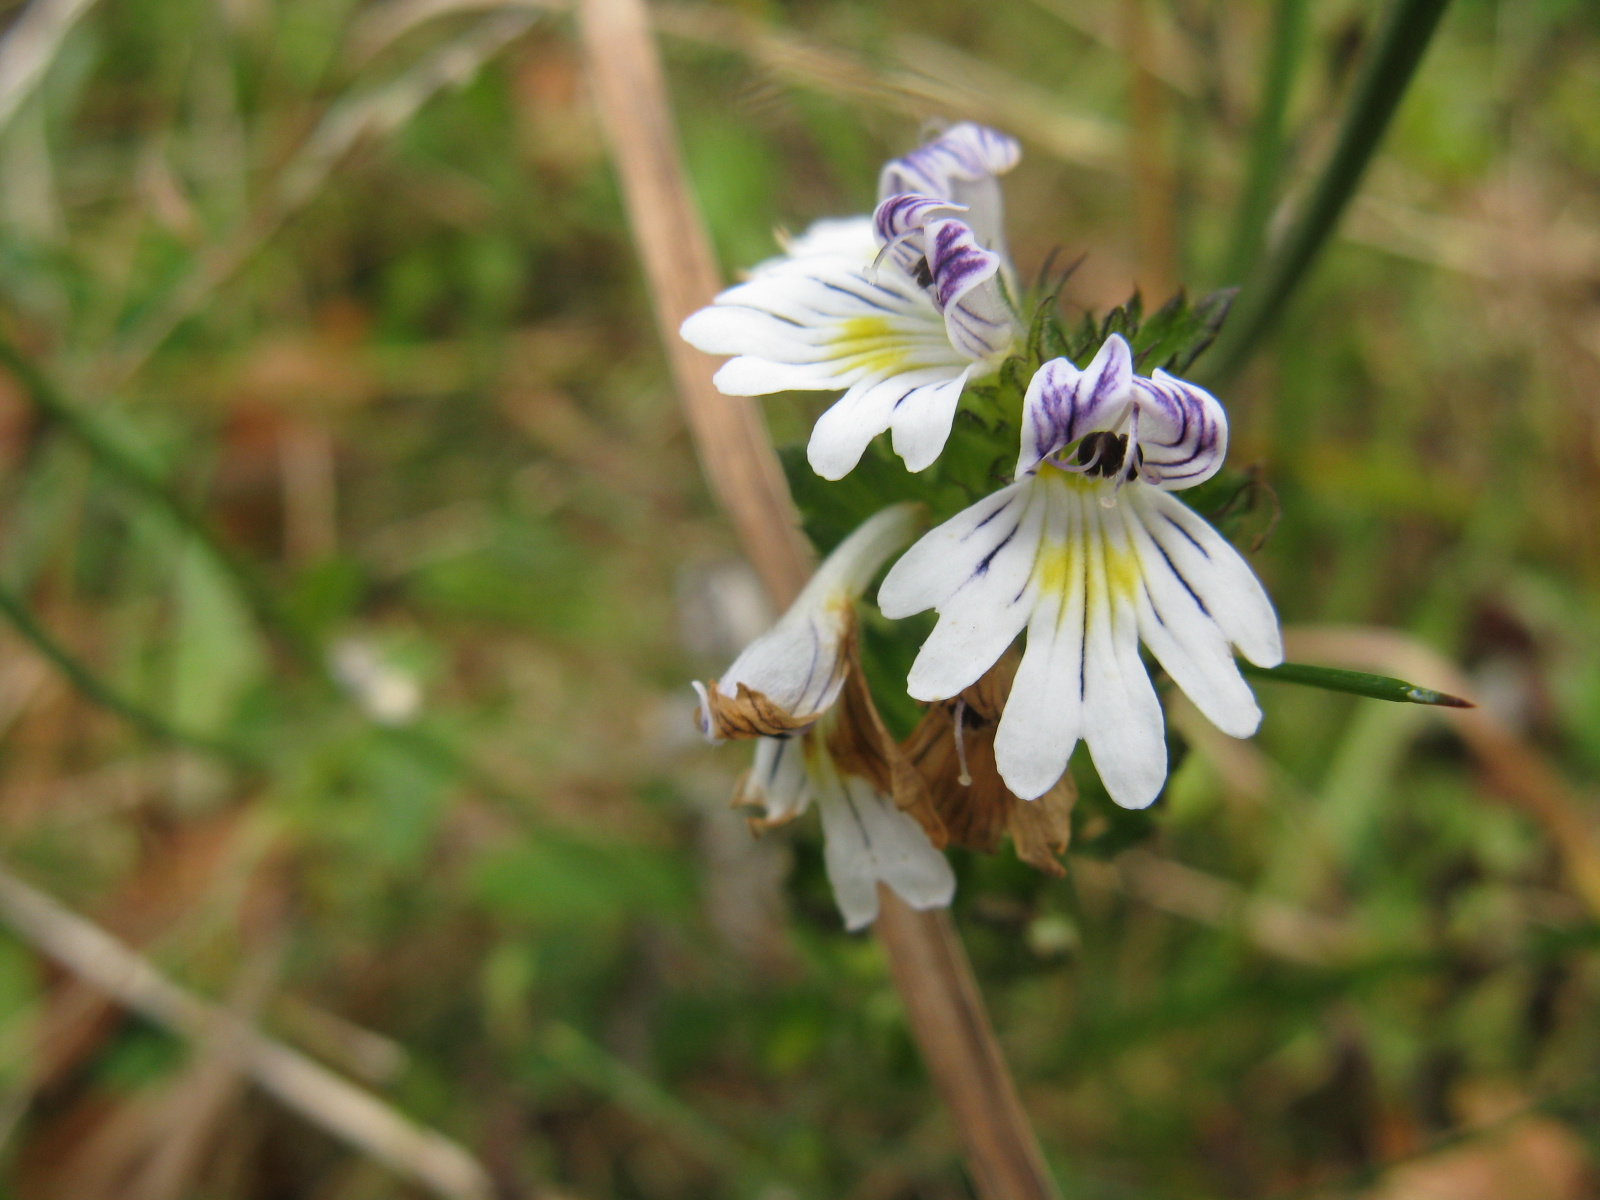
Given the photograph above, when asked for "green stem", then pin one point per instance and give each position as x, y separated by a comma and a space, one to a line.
1384, 79
94, 688
137, 475
1267, 143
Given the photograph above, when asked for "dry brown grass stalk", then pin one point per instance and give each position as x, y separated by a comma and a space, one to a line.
317, 1094
926, 957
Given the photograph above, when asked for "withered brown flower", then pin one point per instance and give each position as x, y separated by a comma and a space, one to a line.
952, 751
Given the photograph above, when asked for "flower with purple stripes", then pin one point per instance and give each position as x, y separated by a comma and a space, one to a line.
1090, 552
963, 165
897, 311
797, 689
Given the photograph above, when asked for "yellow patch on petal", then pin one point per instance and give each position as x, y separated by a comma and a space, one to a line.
1059, 565
1122, 569
1056, 566
1071, 480
872, 344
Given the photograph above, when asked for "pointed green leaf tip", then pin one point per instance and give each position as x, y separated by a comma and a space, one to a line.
1357, 683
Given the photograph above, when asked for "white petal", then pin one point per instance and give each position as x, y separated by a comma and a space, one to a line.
981, 324
747, 376
1220, 577
778, 778
929, 573
820, 323
985, 211
850, 237
845, 573
825, 285
868, 839
921, 420
1185, 640
739, 329
1043, 718
988, 608
799, 664
1123, 722
914, 399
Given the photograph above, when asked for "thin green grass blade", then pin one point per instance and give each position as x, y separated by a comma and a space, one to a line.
1388, 72
1357, 683
98, 691
1267, 144
145, 482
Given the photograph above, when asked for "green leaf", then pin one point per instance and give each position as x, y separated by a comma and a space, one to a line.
1176, 333
1357, 683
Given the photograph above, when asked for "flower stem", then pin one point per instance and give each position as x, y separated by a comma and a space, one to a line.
926, 958
1378, 92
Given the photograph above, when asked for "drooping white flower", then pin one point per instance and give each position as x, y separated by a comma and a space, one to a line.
898, 311
1090, 552
798, 690
866, 838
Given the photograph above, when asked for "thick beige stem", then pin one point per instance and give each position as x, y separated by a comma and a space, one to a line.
729, 433
925, 955
952, 1028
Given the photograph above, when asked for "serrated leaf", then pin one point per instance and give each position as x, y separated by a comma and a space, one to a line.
1177, 333
1053, 341
1084, 340
1014, 375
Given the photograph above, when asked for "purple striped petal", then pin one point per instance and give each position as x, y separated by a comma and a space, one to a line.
1182, 431
1064, 403
965, 153
962, 166
901, 215
956, 261
966, 289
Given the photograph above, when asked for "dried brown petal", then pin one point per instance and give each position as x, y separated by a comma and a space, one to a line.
749, 714
1042, 829
861, 745
978, 813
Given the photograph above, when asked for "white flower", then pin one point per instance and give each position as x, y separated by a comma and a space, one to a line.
898, 311
1089, 551
866, 839
798, 689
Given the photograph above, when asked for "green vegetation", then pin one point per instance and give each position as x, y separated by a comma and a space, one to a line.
353, 562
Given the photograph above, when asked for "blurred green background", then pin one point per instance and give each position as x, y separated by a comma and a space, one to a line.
354, 281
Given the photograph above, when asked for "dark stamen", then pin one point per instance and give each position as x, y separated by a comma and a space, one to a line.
922, 273
1103, 453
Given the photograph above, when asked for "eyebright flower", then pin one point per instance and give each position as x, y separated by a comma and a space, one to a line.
1091, 553
798, 688
899, 310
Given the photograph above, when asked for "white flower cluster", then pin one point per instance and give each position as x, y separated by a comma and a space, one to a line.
1087, 549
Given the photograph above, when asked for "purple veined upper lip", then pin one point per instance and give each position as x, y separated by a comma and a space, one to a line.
1176, 433
964, 153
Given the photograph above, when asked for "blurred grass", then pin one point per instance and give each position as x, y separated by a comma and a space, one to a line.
416, 390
